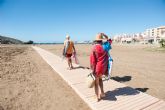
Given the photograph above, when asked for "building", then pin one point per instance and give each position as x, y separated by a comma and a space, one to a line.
155, 34
128, 38
152, 35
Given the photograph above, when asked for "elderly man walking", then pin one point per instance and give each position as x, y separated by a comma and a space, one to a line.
69, 50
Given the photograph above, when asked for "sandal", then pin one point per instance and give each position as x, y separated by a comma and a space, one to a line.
98, 99
71, 67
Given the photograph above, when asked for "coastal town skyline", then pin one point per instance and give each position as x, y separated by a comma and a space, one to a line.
150, 35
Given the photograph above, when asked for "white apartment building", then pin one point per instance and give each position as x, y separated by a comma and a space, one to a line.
155, 34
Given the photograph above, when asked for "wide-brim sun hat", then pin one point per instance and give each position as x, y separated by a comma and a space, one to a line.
98, 37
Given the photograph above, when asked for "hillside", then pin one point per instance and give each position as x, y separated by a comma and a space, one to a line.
8, 40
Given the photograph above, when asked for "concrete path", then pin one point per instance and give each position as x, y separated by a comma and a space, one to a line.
118, 95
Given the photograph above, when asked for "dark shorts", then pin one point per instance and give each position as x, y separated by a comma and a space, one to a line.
68, 55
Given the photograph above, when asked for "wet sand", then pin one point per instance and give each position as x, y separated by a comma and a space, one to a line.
138, 66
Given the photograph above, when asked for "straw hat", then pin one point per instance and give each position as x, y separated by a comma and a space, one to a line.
99, 37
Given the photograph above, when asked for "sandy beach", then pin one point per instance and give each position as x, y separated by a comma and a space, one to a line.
28, 83
138, 66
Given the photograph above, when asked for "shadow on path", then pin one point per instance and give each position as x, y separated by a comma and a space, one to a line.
121, 79
82, 67
111, 95
142, 89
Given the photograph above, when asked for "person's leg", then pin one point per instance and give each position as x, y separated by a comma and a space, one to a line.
96, 87
101, 87
67, 59
71, 63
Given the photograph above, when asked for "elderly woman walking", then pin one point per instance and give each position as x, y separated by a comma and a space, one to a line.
99, 64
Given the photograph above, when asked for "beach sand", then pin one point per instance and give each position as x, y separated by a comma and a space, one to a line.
27, 82
134, 65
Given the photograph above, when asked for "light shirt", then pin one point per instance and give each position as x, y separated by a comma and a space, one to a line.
69, 45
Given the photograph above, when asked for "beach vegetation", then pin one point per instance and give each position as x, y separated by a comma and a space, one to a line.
162, 43
29, 42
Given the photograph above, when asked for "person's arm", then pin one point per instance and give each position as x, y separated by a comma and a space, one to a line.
93, 62
74, 48
106, 37
63, 53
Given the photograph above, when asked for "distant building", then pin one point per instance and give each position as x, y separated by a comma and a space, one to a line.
153, 35
156, 34
163, 36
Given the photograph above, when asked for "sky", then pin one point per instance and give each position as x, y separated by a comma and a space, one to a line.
52, 20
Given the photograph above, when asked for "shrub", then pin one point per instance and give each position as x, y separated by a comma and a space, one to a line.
162, 43
29, 42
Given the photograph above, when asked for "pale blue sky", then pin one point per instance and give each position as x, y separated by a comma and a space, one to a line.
51, 20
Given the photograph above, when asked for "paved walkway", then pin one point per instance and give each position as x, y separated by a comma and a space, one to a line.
118, 95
